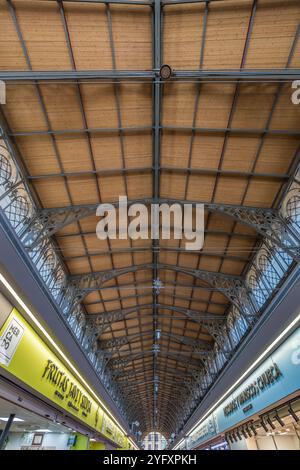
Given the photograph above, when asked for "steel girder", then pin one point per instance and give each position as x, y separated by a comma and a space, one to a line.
268, 223
256, 75
124, 377
118, 375
103, 320
233, 287
165, 383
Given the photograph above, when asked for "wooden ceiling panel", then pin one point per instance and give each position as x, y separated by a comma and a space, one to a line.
99, 105
52, 195
62, 105
240, 153
143, 258
262, 193
187, 260
78, 266
233, 267
106, 151
94, 244
214, 104
207, 150
136, 104
295, 61
253, 105
209, 263
74, 154
230, 190
111, 187
101, 263
138, 186
178, 104
122, 260
172, 186
286, 116
102, 125
76, 248
277, 154
200, 190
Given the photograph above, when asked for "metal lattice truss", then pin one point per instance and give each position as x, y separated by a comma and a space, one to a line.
159, 338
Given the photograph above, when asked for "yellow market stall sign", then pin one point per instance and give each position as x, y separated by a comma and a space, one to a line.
27, 357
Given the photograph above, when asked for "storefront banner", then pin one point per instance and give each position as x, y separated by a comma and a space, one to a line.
27, 357
206, 431
277, 377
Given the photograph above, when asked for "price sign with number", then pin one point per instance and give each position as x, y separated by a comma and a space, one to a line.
9, 340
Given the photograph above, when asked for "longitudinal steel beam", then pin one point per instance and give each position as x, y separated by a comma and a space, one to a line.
257, 75
129, 374
266, 222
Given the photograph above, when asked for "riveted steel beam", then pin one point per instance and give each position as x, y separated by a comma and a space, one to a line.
121, 362
116, 343
121, 376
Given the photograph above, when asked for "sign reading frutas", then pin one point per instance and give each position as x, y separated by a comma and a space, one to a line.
9, 340
66, 389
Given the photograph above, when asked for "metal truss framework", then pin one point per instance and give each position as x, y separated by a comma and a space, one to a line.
233, 287
269, 224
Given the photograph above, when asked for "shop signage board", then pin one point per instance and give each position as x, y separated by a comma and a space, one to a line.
206, 431
277, 377
25, 355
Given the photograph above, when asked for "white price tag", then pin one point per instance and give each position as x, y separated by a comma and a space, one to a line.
9, 340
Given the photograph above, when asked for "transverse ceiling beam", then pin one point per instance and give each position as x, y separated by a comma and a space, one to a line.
257, 75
